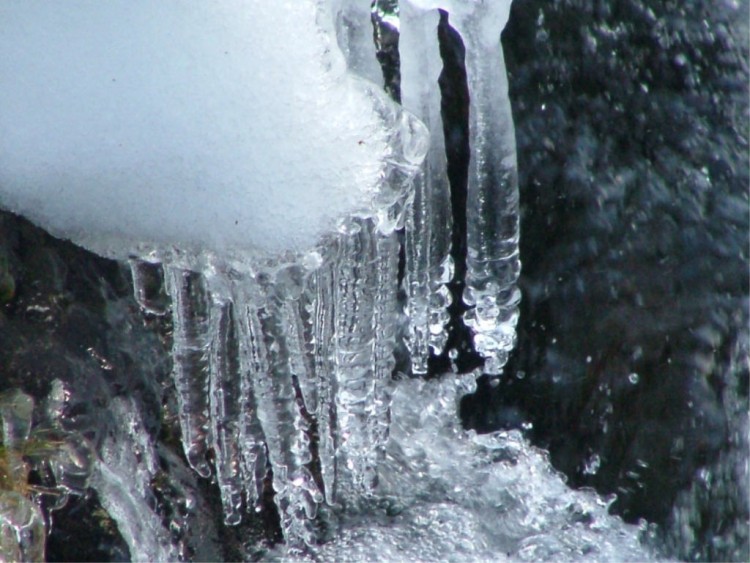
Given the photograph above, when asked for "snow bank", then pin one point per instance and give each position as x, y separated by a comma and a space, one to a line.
206, 125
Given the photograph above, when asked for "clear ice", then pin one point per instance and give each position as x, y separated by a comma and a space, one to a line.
492, 218
283, 351
429, 265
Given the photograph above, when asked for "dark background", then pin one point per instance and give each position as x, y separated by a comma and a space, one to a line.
632, 125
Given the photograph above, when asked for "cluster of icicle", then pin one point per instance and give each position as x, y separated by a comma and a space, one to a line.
492, 218
287, 365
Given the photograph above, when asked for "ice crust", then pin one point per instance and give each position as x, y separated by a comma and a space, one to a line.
208, 125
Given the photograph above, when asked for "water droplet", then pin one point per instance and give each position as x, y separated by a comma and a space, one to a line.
592, 465
633, 378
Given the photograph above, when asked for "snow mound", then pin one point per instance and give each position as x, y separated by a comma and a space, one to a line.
217, 126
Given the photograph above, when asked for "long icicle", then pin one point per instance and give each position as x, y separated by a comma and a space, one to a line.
284, 426
385, 313
190, 356
322, 308
224, 393
428, 222
493, 263
252, 362
354, 338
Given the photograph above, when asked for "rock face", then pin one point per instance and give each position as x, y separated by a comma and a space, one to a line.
632, 364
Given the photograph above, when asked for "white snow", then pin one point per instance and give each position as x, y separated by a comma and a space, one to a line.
210, 125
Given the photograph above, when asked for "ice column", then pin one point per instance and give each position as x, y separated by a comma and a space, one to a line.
353, 355
492, 218
190, 357
429, 220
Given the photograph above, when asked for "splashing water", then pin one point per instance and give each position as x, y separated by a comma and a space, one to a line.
451, 495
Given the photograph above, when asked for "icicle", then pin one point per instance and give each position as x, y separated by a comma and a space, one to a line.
296, 322
190, 356
148, 286
225, 403
384, 319
354, 340
429, 221
252, 362
492, 219
322, 306
285, 428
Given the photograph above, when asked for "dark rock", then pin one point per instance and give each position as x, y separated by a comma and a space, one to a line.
631, 123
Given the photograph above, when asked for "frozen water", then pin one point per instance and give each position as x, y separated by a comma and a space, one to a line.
64, 459
21, 528
492, 217
123, 479
451, 495
429, 219
233, 145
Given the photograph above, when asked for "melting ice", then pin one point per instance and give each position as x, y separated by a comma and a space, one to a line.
230, 150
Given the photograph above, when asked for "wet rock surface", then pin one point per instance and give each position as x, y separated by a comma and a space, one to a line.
70, 326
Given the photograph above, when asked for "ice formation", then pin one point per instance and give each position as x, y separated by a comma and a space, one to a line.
234, 151
452, 495
492, 193
492, 218
429, 264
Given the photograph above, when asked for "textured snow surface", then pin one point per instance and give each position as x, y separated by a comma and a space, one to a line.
217, 125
